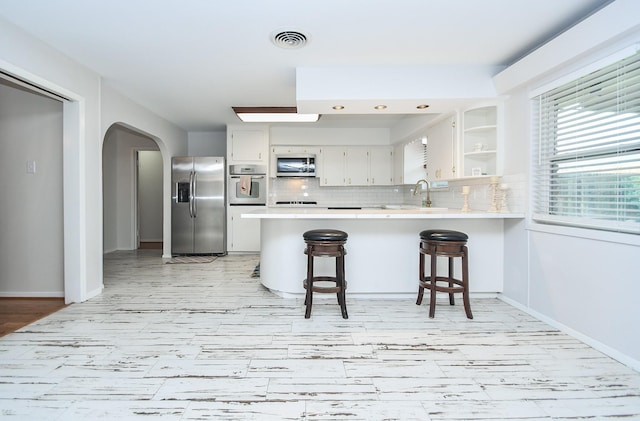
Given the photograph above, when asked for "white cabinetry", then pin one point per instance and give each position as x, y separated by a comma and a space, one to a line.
247, 145
481, 142
332, 166
356, 166
243, 234
441, 154
381, 166
408, 165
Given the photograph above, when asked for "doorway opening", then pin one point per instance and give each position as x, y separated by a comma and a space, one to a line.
132, 169
148, 187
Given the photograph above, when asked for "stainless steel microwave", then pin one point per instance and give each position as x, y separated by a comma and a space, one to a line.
296, 165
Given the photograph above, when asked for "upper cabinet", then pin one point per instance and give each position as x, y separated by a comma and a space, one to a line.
247, 145
441, 150
332, 166
408, 162
356, 166
481, 142
381, 166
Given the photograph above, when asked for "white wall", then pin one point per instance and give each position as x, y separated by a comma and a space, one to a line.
170, 139
582, 281
92, 109
207, 143
35, 61
31, 228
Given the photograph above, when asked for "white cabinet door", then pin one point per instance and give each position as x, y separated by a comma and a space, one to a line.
408, 163
441, 150
243, 234
381, 166
248, 145
332, 171
398, 164
357, 165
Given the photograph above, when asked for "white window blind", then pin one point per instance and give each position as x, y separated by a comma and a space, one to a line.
586, 158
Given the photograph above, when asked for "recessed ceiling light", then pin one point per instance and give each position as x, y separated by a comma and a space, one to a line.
338, 107
422, 106
380, 107
273, 115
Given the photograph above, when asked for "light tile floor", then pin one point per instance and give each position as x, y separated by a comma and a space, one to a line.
207, 341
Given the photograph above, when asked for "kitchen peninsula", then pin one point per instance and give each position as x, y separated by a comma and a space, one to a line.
382, 248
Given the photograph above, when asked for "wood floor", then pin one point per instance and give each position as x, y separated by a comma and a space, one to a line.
207, 341
19, 312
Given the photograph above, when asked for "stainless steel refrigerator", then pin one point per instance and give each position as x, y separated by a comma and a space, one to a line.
198, 220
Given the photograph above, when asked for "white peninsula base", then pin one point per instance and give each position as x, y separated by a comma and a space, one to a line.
382, 253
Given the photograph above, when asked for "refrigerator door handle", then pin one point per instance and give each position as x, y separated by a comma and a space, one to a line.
191, 194
194, 194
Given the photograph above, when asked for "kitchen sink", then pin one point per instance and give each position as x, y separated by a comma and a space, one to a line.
416, 208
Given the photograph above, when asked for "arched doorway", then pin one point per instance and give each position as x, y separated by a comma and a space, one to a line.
123, 186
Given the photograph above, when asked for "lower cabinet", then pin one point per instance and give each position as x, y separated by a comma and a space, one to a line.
243, 235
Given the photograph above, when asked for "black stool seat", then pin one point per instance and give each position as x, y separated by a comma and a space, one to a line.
450, 244
443, 235
325, 235
325, 243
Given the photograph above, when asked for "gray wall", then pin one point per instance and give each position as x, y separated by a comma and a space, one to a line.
31, 219
118, 157
582, 281
207, 143
149, 190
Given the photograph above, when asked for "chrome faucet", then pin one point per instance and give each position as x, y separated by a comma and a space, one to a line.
415, 191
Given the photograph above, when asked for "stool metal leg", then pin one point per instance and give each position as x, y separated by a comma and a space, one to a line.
421, 278
308, 300
451, 300
465, 283
434, 278
342, 299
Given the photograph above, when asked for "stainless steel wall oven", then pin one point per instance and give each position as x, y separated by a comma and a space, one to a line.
247, 185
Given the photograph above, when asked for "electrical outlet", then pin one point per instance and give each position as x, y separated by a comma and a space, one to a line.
31, 167
439, 184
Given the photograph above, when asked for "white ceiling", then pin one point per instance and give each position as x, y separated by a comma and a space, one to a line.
190, 61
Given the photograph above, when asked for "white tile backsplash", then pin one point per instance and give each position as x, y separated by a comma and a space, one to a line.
308, 189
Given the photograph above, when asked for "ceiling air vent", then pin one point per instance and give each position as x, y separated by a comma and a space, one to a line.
289, 39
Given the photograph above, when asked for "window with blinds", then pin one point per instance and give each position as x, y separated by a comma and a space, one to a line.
586, 163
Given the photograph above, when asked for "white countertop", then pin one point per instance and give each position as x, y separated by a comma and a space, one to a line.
374, 213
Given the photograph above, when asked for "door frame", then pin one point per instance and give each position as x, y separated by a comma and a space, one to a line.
135, 208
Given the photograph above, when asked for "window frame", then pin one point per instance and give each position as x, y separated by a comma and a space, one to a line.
548, 164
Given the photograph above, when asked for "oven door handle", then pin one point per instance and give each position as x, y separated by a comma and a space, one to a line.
253, 177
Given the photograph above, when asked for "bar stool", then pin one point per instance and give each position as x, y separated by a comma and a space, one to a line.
445, 243
325, 243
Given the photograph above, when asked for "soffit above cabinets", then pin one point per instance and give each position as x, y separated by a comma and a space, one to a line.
400, 89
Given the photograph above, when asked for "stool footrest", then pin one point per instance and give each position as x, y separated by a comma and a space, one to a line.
324, 289
426, 283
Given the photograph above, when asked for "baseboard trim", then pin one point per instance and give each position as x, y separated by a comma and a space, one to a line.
32, 294
605, 349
